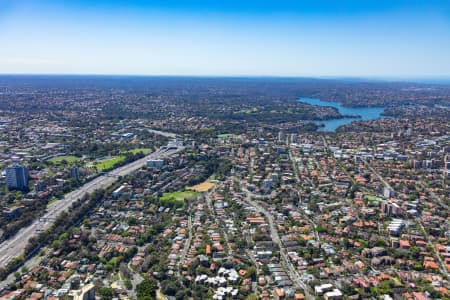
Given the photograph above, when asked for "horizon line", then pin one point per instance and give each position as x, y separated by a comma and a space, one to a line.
233, 75
424, 79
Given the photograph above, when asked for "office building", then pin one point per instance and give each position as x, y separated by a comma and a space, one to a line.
17, 177
155, 163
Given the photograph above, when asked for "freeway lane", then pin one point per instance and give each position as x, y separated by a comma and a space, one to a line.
14, 246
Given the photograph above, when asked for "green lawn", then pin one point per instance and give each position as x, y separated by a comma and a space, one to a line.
145, 151
179, 196
109, 163
397, 282
177, 200
223, 136
371, 198
69, 158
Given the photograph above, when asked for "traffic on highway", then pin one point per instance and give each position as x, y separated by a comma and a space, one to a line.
14, 246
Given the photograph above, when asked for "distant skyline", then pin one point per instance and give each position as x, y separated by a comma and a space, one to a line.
380, 39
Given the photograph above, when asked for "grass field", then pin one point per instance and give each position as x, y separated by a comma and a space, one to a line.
69, 158
371, 198
179, 196
137, 150
109, 163
202, 187
223, 136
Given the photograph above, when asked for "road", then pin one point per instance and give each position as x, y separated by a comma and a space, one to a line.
219, 222
298, 181
136, 279
163, 133
293, 274
442, 266
14, 246
187, 244
385, 183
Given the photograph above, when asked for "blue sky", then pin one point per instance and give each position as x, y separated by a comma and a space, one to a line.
366, 38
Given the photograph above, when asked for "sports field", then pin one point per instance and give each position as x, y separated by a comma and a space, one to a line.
202, 187
109, 163
69, 158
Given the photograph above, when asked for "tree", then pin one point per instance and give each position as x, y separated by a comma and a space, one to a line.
380, 243
106, 293
265, 270
128, 284
170, 287
131, 221
146, 289
123, 267
251, 273
321, 229
181, 294
56, 244
301, 241
3, 273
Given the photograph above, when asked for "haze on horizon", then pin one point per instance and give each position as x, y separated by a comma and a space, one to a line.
395, 39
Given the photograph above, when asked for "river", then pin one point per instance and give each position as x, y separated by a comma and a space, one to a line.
366, 113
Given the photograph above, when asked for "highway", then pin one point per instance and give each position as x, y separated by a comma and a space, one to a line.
14, 246
163, 133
